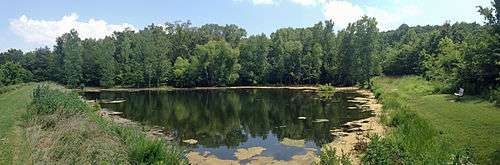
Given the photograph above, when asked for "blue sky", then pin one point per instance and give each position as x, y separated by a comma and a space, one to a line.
28, 24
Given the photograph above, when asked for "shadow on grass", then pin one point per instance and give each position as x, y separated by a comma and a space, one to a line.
495, 156
465, 99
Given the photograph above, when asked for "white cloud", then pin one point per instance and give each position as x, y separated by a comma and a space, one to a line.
264, 2
45, 32
309, 2
342, 12
345, 12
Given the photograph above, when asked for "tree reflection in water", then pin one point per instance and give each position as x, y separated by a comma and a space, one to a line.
229, 118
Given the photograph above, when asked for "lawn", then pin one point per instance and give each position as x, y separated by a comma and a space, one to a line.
12, 106
470, 122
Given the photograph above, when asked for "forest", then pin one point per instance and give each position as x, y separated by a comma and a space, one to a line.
178, 54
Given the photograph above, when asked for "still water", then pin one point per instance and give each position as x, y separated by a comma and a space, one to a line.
223, 121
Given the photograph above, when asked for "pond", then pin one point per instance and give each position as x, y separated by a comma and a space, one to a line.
283, 122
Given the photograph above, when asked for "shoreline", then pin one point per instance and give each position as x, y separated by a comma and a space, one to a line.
97, 89
354, 135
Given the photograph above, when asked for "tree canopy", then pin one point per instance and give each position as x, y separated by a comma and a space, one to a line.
179, 54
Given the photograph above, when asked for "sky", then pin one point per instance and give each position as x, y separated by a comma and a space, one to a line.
29, 24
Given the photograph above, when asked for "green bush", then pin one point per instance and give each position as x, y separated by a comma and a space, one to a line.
495, 96
328, 156
48, 101
327, 88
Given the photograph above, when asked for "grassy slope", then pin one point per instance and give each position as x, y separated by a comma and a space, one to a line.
12, 106
472, 121
67, 137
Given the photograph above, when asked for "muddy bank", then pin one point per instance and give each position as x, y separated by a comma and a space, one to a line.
353, 135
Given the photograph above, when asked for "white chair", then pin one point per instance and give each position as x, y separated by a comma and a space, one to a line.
460, 93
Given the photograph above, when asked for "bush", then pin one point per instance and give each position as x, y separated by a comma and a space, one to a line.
47, 101
495, 96
327, 88
328, 156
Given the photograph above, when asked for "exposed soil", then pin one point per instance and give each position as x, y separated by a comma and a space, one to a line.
357, 132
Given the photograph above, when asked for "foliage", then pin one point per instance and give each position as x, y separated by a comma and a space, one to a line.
254, 53
82, 131
327, 88
218, 63
456, 55
424, 126
328, 156
12, 73
494, 96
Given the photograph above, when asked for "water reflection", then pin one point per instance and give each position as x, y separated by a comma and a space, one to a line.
225, 120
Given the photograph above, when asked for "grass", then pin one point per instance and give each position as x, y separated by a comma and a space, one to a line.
60, 128
13, 103
328, 156
430, 128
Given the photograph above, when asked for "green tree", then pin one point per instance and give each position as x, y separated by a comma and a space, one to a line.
12, 73
445, 65
106, 63
181, 71
254, 59
12, 55
218, 63
129, 58
312, 64
156, 51
68, 48
41, 63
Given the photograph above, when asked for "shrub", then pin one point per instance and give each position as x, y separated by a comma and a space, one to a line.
328, 156
327, 88
495, 96
47, 101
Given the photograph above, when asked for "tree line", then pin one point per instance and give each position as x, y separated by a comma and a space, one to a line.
179, 54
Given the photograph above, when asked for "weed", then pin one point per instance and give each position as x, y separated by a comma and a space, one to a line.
328, 156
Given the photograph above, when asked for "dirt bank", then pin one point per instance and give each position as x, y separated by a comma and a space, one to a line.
354, 134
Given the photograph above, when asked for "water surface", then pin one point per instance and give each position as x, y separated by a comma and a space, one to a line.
225, 120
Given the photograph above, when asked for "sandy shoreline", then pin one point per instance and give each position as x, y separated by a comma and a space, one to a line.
358, 131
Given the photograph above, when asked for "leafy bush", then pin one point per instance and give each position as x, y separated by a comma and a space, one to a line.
48, 101
327, 88
495, 96
12, 73
328, 156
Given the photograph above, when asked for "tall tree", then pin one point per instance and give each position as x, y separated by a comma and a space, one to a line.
12, 55
254, 59
69, 50
218, 63
106, 64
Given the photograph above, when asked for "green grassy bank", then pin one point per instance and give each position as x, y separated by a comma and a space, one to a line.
47, 124
430, 128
